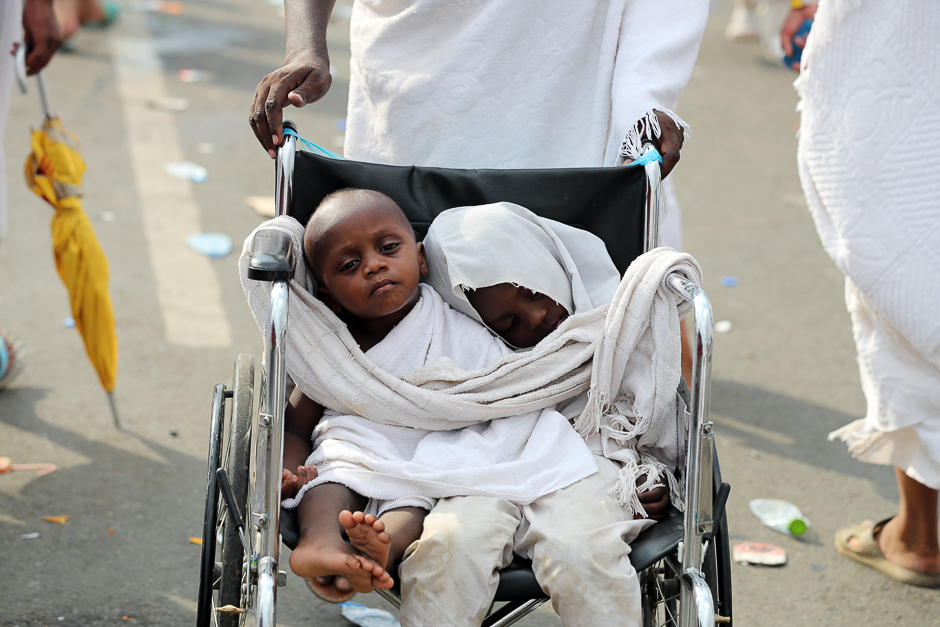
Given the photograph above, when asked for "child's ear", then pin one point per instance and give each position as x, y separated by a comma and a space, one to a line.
422, 259
324, 295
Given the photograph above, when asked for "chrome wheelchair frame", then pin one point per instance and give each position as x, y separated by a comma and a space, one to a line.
679, 587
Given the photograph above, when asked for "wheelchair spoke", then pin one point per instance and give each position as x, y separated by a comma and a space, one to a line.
661, 588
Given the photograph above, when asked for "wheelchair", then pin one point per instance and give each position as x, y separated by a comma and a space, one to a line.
683, 561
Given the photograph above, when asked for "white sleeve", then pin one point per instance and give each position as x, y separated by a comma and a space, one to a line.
659, 42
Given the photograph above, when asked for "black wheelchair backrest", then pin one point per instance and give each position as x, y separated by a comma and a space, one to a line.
608, 202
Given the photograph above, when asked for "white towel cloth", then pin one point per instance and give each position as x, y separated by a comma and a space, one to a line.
634, 349
503, 83
518, 458
869, 159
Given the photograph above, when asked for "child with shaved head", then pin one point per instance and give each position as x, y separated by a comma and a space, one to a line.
375, 482
362, 252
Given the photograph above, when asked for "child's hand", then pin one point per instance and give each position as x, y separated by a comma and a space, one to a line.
655, 502
291, 483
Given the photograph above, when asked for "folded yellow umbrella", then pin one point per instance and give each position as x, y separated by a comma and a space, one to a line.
54, 172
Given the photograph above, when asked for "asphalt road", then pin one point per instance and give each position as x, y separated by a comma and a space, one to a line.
784, 375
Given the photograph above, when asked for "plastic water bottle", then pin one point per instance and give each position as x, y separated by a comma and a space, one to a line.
782, 516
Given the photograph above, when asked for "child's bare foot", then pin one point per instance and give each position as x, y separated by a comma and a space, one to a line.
320, 556
367, 535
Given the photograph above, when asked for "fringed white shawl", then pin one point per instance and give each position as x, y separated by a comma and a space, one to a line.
633, 407
328, 366
518, 458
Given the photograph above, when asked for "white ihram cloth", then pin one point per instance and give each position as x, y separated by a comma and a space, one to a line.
633, 416
635, 347
503, 83
871, 76
519, 458
11, 20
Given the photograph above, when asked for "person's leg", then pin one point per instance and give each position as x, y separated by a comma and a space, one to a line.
577, 539
384, 539
449, 576
910, 538
321, 549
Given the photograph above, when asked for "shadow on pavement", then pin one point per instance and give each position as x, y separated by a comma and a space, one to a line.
126, 541
794, 428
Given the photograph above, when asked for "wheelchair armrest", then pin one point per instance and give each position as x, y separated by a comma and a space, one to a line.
271, 256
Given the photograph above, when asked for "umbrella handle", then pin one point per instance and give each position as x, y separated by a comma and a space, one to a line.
20, 62
43, 98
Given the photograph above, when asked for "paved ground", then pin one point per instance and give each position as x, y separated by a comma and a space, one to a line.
784, 375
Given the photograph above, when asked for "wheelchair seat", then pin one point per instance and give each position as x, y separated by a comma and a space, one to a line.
517, 582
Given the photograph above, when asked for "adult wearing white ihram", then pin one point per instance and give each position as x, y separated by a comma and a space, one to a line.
496, 83
869, 161
36, 20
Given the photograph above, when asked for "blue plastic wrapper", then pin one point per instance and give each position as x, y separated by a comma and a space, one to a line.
794, 58
729, 281
367, 616
210, 244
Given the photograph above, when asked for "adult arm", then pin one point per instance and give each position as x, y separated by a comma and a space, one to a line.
305, 75
659, 43
800, 11
41, 34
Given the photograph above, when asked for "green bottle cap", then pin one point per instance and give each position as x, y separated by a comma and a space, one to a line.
797, 526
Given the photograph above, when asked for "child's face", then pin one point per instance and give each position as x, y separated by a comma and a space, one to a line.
370, 264
520, 316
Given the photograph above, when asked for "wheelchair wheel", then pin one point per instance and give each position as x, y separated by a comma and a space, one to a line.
660, 583
659, 590
223, 555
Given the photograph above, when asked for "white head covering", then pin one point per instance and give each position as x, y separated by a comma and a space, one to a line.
473, 247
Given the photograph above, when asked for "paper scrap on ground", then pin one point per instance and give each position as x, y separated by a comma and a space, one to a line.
215, 245
263, 205
722, 326
193, 76
186, 171
174, 105
367, 616
7, 465
759, 553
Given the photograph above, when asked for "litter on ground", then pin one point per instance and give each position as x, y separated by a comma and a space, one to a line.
366, 616
215, 245
759, 553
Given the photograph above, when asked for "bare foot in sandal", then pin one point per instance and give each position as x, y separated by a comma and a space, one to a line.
368, 536
898, 544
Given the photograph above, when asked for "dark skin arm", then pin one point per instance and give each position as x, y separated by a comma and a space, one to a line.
304, 77
300, 418
655, 502
669, 142
41, 34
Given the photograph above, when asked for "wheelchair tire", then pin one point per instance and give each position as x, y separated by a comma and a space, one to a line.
220, 582
235, 460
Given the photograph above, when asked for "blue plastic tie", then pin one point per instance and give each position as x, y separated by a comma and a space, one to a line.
649, 157
4, 357
311, 147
